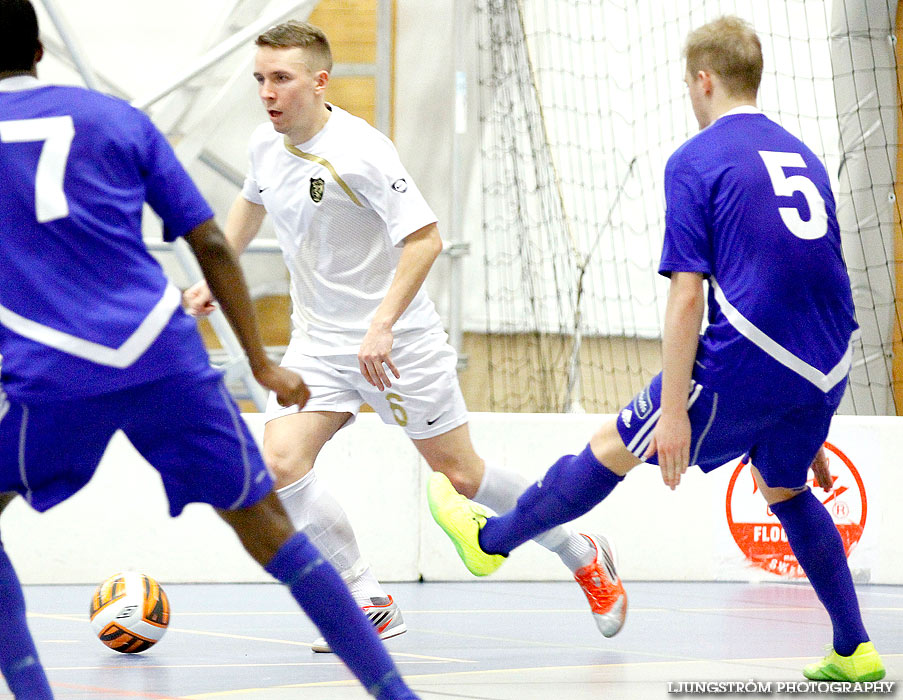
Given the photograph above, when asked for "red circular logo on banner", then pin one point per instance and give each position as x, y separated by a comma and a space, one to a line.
758, 532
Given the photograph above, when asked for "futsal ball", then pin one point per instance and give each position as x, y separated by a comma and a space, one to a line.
129, 612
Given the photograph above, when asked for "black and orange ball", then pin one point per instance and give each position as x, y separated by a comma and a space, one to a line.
129, 612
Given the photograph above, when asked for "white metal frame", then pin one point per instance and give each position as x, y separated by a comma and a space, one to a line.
240, 21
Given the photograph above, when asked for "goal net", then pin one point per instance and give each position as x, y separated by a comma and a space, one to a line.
581, 103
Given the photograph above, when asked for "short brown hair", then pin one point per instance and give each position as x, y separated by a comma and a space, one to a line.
728, 47
294, 34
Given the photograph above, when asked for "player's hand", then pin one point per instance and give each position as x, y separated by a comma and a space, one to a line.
198, 300
671, 441
821, 471
290, 389
375, 355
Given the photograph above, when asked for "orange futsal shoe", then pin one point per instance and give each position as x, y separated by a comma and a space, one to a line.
603, 588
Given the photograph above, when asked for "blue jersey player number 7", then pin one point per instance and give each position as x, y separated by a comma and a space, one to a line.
94, 340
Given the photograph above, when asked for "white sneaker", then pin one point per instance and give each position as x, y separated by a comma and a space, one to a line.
385, 616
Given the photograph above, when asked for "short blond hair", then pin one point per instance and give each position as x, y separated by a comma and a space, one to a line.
294, 34
728, 47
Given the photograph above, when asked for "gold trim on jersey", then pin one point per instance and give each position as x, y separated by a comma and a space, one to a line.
326, 164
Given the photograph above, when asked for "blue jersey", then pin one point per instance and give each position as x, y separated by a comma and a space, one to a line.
750, 207
84, 307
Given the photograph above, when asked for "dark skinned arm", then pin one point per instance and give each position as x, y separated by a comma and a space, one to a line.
227, 283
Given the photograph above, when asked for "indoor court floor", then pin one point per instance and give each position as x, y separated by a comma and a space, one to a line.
480, 640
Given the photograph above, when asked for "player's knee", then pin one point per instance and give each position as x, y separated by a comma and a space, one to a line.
777, 495
464, 476
286, 465
609, 449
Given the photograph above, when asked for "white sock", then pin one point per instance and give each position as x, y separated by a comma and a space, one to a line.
500, 489
365, 587
315, 512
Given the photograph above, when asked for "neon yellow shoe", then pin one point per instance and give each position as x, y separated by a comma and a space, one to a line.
462, 521
862, 665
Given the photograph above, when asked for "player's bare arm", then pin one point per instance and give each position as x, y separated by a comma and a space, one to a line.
5, 498
420, 251
223, 274
242, 225
683, 318
821, 470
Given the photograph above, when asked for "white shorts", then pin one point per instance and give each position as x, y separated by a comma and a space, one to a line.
426, 400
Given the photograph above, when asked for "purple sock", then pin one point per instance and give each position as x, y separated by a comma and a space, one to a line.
819, 550
18, 657
571, 487
322, 594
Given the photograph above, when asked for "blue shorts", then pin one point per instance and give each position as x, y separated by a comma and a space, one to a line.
781, 440
187, 426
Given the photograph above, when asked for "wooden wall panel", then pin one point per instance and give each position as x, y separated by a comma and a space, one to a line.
351, 28
355, 95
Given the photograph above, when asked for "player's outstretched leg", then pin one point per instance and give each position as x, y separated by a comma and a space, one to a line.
18, 657
315, 512
587, 556
500, 489
291, 445
453, 454
269, 537
819, 550
570, 488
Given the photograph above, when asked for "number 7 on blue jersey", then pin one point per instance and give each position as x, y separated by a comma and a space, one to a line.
56, 133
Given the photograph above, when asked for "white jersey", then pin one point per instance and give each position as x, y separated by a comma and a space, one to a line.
342, 203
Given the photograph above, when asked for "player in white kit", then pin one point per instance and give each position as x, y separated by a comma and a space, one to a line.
358, 239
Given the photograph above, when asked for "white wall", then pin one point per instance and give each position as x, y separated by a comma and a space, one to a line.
425, 63
120, 519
